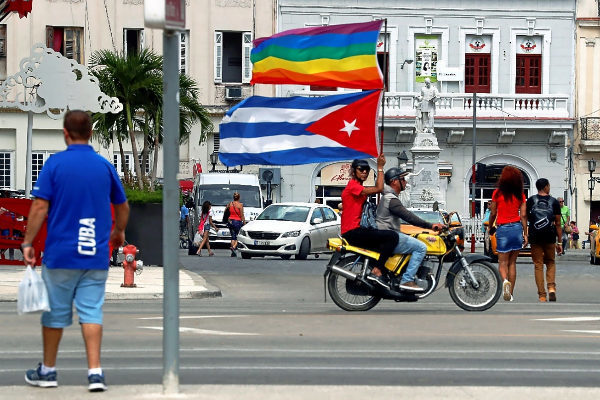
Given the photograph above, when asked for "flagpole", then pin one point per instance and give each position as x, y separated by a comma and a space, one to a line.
385, 69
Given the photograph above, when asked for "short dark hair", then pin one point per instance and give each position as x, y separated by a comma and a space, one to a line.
78, 124
541, 183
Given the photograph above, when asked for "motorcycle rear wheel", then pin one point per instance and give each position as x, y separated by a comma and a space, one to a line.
485, 296
347, 294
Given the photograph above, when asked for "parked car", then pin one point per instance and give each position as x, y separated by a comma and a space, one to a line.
594, 245
286, 229
451, 219
489, 246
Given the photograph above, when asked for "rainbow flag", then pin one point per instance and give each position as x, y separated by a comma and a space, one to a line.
335, 55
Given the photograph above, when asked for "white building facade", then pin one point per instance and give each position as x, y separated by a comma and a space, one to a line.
518, 57
214, 50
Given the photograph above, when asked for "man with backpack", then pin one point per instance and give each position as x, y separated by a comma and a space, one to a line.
545, 232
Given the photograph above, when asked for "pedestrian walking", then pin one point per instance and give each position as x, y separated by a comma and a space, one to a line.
508, 213
206, 221
574, 243
75, 190
486, 216
565, 215
544, 233
236, 220
184, 215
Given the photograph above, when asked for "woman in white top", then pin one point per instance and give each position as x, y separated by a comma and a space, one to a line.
206, 221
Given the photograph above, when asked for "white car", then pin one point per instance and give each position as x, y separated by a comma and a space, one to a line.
286, 229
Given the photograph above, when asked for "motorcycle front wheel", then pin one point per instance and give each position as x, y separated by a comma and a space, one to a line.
347, 294
469, 298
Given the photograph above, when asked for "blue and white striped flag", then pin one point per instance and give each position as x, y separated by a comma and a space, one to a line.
300, 130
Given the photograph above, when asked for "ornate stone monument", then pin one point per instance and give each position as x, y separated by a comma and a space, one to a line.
425, 151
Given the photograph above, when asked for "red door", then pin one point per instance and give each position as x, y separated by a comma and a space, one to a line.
529, 73
477, 73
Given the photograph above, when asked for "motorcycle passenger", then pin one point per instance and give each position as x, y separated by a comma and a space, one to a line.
390, 213
353, 199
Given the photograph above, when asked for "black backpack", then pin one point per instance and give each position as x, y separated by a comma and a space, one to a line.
541, 215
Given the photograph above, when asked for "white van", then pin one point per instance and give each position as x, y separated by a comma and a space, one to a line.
218, 188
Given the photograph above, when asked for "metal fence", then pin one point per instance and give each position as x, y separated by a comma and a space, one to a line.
473, 226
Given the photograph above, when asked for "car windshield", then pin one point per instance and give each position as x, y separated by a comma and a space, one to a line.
222, 194
285, 213
433, 217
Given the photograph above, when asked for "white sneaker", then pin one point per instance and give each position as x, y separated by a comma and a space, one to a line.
506, 290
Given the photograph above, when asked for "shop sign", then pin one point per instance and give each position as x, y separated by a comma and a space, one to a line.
339, 174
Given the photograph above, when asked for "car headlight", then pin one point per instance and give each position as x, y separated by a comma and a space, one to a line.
291, 234
242, 232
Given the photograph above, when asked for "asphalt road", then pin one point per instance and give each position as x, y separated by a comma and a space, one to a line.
272, 327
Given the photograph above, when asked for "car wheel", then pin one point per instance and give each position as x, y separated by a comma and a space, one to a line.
304, 249
285, 256
246, 256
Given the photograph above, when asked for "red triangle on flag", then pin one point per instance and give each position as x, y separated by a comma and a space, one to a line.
353, 126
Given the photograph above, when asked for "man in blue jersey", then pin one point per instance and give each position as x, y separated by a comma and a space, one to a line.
75, 190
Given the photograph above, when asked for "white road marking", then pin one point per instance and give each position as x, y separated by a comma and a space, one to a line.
583, 331
322, 351
145, 367
183, 329
569, 319
199, 316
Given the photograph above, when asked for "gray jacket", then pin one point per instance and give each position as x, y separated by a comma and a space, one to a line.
391, 212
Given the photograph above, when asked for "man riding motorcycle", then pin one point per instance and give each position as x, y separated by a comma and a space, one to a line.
390, 213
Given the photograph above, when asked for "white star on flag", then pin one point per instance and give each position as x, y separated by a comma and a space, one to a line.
350, 127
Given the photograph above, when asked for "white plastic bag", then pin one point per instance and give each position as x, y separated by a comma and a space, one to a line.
197, 238
33, 295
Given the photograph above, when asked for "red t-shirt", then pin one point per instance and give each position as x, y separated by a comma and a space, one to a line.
507, 210
352, 203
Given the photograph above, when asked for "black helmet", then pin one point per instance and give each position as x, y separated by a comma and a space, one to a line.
360, 163
394, 173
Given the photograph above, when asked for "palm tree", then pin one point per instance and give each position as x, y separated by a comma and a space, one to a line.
142, 101
131, 77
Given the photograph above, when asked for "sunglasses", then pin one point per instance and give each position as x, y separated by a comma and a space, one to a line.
363, 169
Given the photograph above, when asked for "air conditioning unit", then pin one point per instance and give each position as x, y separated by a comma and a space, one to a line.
233, 92
269, 174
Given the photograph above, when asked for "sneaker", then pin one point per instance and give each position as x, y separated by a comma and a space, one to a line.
542, 299
552, 296
96, 383
506, 290
413, 287
378, 280
35, 378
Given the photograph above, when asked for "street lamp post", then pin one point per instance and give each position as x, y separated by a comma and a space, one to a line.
214, 158
592, 181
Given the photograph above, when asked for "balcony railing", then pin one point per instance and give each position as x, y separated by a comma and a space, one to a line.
590, 128
402, 104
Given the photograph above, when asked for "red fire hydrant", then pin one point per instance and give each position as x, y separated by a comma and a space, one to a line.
130, 265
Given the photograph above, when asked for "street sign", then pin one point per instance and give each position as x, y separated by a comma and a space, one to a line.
165, 14
175, 14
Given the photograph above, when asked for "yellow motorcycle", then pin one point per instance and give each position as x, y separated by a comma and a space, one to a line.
474, 283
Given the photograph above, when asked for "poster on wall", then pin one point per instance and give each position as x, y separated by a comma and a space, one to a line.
426, 57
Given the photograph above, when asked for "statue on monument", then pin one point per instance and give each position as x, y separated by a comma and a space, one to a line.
425, 105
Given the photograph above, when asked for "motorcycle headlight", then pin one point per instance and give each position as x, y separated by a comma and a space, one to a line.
291, 234
243, 232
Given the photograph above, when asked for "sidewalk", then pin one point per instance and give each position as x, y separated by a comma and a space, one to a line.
295, 392
149, 284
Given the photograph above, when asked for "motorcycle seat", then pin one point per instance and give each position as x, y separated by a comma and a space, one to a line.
338, 244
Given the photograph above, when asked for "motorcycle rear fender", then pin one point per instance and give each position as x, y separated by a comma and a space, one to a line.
457, 265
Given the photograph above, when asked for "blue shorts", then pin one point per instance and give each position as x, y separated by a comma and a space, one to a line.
84, 287
509, 237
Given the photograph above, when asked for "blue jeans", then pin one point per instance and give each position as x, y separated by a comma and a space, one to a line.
410, 245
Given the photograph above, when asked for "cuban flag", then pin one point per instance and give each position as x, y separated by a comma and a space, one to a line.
300, 130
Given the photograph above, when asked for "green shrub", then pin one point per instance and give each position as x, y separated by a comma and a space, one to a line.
136, 196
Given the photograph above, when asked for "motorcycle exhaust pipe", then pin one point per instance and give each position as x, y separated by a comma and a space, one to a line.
345, 273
